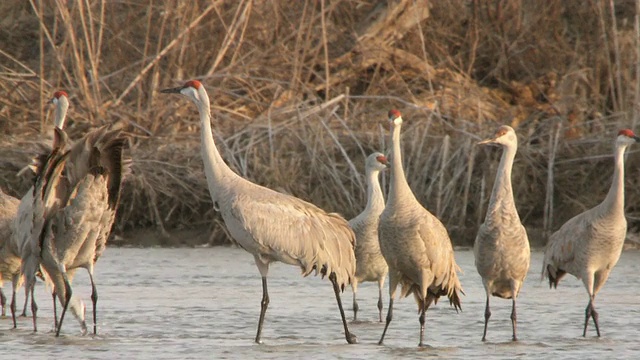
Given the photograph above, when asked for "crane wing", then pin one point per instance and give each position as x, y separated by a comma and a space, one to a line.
293, 231
561, 247
78, 225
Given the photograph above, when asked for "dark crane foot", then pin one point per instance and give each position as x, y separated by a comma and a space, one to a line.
351, 338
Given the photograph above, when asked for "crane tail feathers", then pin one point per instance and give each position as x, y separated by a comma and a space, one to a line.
554, 276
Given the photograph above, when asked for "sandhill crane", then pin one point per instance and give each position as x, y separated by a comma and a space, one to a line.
589, 245
415, 243
75, 200
273, 226
370, 265
501, 248
18, 228
23, 225
9, 262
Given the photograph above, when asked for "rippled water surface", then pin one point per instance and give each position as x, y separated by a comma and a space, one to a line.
204, 303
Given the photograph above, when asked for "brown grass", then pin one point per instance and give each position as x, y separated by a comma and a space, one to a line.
299, 91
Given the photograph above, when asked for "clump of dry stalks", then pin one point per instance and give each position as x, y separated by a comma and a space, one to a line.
300, 91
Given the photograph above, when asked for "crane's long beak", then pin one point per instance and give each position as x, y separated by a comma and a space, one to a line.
484, 142
175, 90
637, 139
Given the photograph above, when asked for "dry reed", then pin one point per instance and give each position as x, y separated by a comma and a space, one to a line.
300, 91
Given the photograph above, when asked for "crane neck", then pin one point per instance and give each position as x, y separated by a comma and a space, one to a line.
215, 169
614, 202
398, 186
501, 203
375, 198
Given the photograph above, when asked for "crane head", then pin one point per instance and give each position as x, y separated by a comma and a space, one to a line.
376, 161
395, 117
627, 137
79, 310
60, 99
58, 94
504, 135
192, 89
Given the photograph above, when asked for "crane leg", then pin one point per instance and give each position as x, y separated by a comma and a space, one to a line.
590, 311
423, 313
421, 320
34, 308
354, 287
94, 300
55, 309
26, 302
263, 308
13, 307
389, 318
487, 315
67, 298
3, 303
514, 318
355, 308
380, 305
393, 285
351, 338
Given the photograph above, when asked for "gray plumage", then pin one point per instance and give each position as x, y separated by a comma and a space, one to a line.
370, 264
414, 243
589, 245
501, 248
77, 190
274, 226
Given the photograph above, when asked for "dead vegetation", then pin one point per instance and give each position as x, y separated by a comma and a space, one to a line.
300, 90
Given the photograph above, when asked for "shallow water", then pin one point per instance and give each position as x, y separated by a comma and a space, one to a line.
204, 303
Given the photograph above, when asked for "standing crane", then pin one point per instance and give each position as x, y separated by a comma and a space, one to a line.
370, 265
501, 249
76, 195
273, 226
589, 245
415, 243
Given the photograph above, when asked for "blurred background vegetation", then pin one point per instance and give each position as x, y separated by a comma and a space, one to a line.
300, 91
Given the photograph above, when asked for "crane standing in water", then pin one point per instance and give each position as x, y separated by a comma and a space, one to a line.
273, 226
370, 264
501, 249
414, 243
589, 245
